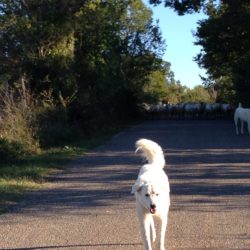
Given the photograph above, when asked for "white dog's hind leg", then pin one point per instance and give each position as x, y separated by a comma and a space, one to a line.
248, 125
236, 128
242, 126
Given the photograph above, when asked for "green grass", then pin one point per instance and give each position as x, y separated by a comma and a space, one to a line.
30, 174
13, 190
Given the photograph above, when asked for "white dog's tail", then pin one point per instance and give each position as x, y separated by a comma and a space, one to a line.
240, 105
151, 151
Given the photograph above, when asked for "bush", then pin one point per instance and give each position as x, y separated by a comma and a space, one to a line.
55, 128
11, 151
33, 123
18, 128
57, 134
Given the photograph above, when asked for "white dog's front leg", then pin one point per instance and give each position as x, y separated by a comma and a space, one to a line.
152, 226
236, 124
236, 128
145, 222
164, 222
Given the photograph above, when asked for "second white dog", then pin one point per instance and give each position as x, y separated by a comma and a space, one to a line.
242, 115
151, 191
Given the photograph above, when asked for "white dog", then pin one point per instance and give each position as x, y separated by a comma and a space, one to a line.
242, 115
151, 191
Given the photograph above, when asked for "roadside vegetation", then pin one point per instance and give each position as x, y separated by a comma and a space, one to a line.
37, 139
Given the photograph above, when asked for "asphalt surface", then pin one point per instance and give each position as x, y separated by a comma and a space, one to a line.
89, 206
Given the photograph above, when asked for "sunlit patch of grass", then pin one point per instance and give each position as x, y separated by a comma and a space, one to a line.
13, 190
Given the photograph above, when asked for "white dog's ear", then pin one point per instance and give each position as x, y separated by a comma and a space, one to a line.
136, 188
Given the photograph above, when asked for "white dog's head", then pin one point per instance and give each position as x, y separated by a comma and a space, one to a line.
149, 195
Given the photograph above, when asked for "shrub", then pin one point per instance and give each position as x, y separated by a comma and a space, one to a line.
31, 123
18, 128
55, 127
11, 151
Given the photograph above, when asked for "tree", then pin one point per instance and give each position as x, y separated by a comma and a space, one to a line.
37, 43
197, 94
175, 93
182, 7
225, 38
156, 89
115, 55
144, 48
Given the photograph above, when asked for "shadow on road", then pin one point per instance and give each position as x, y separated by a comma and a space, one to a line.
206, 163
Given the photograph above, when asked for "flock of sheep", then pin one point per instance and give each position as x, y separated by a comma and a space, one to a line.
188, 110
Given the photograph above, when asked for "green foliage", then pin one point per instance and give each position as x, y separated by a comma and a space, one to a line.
177, 93
37, 39
225, 39
222, 89
182, 7
18, 126
119, 51
197, 94
156, 88
54, 127
11, 151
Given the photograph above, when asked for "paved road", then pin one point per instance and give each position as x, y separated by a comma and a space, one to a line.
89, 206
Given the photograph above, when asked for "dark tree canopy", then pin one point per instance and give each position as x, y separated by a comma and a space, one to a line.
181, 6
225, 40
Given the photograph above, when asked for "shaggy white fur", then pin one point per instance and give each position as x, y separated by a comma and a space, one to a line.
151, 191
